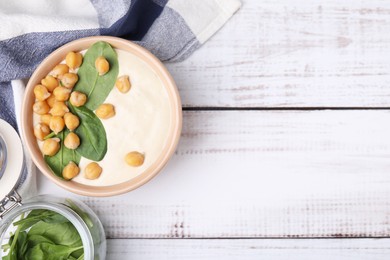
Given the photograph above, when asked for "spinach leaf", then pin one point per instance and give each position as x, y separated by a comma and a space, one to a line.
62, 157
13, 245
33, 240
22, 245
37, 215
60, 233
48, 236
49, 251
33, 217
94, 86
78, 253
92, 134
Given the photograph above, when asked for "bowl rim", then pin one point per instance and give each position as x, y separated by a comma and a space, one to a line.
173, 135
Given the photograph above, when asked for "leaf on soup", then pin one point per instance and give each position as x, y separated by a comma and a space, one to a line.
96, 87
93, 139
58, 162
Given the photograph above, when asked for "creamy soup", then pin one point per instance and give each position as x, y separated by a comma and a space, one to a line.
141, 123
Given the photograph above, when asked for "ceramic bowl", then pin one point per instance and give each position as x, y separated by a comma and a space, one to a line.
175, 109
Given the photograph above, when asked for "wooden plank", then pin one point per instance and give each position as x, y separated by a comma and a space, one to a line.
229, 249
263, 174
293, 53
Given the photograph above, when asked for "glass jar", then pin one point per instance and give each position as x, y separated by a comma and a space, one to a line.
80, 215
13, 208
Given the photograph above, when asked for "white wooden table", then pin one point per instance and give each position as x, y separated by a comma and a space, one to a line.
285, 151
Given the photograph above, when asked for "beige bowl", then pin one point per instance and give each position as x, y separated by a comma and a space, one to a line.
175, 108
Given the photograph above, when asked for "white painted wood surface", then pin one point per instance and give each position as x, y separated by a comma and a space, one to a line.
272, 174
233, 249
263, 174
293, 53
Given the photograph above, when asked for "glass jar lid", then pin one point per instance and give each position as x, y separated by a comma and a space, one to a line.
12, 161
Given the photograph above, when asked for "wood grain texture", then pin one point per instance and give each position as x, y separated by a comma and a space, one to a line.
232, 249
296, 53
263, 174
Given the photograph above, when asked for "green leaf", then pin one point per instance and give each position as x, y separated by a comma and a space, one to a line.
49, 251
12, 254
79, 254
22, 245
93, 139
52, 134
33, 240
58, 162
37, 215
49, 236
94, 86
61, 233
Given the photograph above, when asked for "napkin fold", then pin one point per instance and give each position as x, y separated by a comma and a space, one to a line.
31, 30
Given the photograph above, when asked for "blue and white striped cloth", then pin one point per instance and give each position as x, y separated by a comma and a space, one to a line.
30, 30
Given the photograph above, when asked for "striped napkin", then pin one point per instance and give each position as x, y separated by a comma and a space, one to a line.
171, 29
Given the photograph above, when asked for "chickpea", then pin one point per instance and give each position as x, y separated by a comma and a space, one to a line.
71, 121
41, 107
59, 109
78, 99
74, 59
57, 124
102, 66
72, 141
41, 93
50, 82
51, 146
41, 130
69, 80
105, 111
135, 159
61, 93
93, 171
46, 119
51, 100
70, 171
123, 84
59, 70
